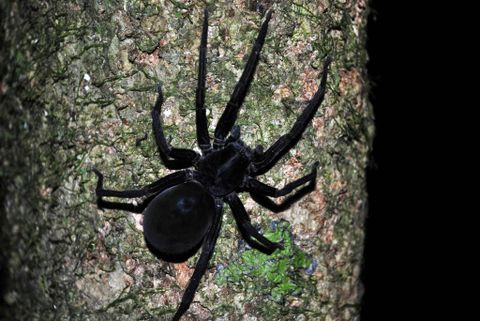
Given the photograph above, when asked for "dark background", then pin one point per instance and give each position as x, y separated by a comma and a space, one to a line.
417, 261
390, 289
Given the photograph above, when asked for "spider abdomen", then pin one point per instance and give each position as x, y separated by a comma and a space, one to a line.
176, 221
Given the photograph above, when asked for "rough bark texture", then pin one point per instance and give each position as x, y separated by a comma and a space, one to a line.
78, 83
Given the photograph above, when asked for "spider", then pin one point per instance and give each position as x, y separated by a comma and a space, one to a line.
183, 211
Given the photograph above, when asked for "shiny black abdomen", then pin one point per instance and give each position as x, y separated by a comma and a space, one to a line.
176, 221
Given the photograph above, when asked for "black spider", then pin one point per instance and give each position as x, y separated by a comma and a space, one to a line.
183, 211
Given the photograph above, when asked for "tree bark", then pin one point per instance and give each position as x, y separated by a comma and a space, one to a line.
78, 83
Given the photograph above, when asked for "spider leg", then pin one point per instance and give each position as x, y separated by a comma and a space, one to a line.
161, 184
256, 186
287, 141
125, 206
229, 116
259, 194
182, 158
202, 263
203, 139
153, 188
249, 233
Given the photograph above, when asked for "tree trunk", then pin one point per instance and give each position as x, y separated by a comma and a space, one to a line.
78, 83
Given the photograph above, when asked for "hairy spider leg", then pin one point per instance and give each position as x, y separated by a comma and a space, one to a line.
260, 198
134, 208
254, 185
153, 188
182, 158
202, 263
249, 233
229, 116
287, 141
259, 191
203, 139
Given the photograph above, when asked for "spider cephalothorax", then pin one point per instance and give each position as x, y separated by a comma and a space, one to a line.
182, 211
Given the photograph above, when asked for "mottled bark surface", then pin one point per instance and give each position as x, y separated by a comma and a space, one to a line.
78, 83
